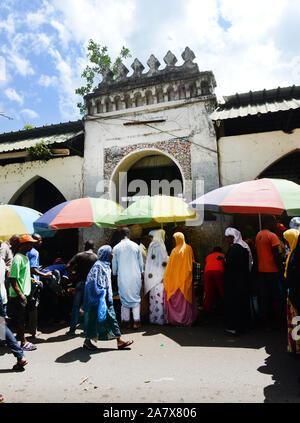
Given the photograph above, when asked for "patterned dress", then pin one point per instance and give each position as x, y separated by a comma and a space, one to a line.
156, 300
154, 274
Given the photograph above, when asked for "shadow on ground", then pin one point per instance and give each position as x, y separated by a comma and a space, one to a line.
285, 370
81, 354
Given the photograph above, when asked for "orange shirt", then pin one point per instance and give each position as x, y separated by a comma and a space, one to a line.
212, 264
265, 240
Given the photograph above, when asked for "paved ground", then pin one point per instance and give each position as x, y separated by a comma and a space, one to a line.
168, 364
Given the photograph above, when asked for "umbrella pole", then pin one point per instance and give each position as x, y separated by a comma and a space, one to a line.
259, 220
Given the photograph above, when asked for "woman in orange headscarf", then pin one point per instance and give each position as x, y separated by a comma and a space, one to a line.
179, 299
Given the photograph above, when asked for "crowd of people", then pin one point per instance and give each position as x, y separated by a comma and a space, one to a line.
255, 280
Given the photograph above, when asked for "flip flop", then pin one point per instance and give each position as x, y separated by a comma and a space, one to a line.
125, 345
29, 347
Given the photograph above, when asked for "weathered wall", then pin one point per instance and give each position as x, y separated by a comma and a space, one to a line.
64, 173
183, 119
244, 157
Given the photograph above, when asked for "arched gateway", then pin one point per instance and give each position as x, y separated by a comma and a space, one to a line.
41, 195
146, 172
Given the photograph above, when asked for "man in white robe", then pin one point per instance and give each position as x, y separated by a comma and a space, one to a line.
128, 266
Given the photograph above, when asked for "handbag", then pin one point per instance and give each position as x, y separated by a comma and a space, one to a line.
102, 307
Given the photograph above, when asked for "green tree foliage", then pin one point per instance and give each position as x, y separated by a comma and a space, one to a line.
99, 59
28, 126
40, 152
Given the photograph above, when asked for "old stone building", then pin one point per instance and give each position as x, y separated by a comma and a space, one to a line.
160, 123
42, 184
152, 125
258, 136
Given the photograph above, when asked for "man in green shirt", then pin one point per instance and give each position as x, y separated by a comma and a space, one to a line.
20, 288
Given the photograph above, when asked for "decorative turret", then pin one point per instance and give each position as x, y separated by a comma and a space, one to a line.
155, 86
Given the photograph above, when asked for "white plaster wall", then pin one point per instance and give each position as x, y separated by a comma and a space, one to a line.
64, 173
183, 119
244, 157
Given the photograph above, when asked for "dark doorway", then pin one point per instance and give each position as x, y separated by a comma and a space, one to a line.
286, 168
156, 168
41, 195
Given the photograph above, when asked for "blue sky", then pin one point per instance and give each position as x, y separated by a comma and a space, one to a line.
249, 45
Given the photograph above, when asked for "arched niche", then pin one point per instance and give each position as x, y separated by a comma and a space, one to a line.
151, 167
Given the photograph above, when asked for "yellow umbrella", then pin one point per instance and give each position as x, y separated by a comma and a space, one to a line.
157, 209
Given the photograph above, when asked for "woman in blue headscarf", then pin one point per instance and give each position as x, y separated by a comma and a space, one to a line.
100, 321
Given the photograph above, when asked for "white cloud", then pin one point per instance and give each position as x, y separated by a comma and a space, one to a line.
48, 81
30, 113
12, 95
8, 25
247, 55
69, 79
18, 62
2, 69
108, 23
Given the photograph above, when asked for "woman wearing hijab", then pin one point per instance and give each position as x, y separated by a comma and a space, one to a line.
179, 298
100, 321
292, 277
295, 223
238, 264
156, 263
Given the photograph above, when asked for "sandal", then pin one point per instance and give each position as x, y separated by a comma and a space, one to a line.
125, 345
89, 347
19, 367
29, 347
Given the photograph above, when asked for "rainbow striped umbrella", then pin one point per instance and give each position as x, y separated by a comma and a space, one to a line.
81, 213
19, 220
261, 196
156, 209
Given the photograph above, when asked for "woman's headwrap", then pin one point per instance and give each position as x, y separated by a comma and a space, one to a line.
99, 278
237, 239
291, 236
295, 223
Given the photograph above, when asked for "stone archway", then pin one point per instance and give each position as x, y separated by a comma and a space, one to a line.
38, 194
41, 195
287, 167
146, 172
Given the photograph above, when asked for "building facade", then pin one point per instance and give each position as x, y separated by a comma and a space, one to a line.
150, 126
162, 125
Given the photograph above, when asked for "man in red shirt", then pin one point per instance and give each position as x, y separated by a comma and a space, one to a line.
214, 272
269, 267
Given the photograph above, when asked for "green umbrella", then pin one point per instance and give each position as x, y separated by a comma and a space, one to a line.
157, 209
